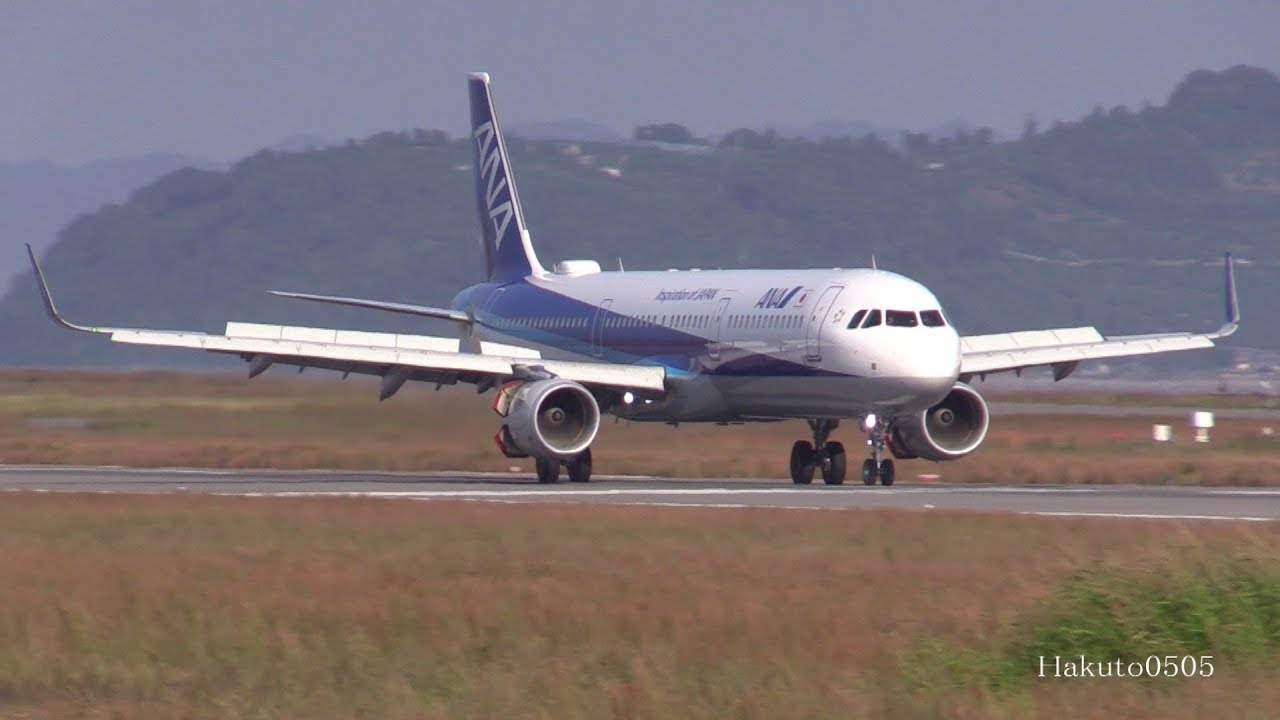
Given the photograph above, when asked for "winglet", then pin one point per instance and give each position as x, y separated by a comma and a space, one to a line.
45, 295
1232, 302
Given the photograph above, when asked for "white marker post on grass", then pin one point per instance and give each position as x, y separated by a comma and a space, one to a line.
1202, 421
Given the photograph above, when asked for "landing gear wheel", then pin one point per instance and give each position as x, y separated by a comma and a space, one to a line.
869, 474
886, 472
548, 470
834, 467
580, 467
804, 461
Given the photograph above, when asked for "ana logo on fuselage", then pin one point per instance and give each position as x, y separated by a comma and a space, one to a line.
493, 173
777, 297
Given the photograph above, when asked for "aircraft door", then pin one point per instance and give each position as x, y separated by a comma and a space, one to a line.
817, 319
597, 327
714, 348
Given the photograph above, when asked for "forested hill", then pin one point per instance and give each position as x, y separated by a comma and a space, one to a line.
1118, 219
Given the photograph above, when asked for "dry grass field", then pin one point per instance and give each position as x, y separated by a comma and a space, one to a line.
218, 607
174, 419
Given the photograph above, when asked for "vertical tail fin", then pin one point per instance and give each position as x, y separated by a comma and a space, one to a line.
508, 254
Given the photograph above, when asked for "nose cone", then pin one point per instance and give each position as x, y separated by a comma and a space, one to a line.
939, 356
929, 365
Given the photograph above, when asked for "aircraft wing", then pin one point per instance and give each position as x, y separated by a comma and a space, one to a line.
1062, 349
396, 358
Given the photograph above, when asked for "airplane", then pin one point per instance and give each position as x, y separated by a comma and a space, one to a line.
562, 347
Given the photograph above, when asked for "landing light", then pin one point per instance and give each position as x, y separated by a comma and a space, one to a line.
628, 398
869, 422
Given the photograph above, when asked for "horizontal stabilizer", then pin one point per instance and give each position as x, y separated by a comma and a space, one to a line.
419, 310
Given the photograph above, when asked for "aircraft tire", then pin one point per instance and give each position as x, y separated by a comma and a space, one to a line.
548, 470
887, 471
869, 473
580, 467
804, 462
833, 471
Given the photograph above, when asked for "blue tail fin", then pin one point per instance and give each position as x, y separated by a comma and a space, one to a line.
508, 254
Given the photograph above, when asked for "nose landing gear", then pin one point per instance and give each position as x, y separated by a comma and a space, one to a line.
877, 467
808, 458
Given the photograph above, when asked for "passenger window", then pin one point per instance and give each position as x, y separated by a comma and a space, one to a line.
932, 318
857, 318
900, 318
873, 319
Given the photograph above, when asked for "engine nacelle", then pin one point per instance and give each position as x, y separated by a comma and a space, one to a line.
949, 430
546, 418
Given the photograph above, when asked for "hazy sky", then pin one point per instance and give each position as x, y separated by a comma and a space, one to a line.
90, 79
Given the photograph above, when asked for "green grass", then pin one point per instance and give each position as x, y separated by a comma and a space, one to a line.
1218, 606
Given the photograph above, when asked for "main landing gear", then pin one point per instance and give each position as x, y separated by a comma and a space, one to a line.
579, 468
829, 457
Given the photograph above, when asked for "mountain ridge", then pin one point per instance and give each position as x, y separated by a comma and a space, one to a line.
1062, 226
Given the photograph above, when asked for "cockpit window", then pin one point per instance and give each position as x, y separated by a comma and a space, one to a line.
900, 318
873, 319
932, 318
857, 319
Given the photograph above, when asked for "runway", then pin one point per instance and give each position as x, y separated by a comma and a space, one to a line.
1125, 501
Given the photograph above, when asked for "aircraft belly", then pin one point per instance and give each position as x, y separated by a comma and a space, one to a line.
824, 396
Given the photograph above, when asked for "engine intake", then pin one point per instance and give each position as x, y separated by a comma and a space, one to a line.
546, 418
949, 430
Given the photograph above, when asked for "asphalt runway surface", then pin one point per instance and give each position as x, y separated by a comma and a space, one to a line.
1125, 501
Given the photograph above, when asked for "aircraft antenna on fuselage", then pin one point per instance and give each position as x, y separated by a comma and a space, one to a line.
873, 262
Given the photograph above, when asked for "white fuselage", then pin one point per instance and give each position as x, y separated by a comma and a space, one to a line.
739, 344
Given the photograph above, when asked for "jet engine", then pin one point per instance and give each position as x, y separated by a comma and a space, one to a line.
949, 430
546, 418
